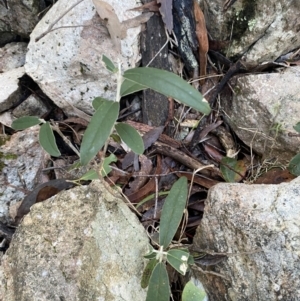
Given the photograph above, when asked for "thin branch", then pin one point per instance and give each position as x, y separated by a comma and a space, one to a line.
66, 140
194, 267
50, 28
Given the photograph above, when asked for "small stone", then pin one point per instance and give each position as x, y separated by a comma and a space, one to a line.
9, 88
32, 106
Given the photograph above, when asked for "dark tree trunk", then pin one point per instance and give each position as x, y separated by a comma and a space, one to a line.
155, 106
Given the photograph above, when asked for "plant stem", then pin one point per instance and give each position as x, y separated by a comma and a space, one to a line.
119, 82
66, 140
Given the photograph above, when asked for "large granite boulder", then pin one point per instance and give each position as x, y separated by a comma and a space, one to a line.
66, 62
82, 244
259, 226
257, 31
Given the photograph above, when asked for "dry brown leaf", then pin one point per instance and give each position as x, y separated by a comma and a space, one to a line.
275, 176
114, 27
201, 33
213, 152
117, 29
141, 176
135, 22
166, 13
146, 190
209, 128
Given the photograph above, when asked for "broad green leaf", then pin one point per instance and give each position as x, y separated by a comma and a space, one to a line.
47, 140
147, 272
106, 169
192, 293
109, 65
98, 130
158, 289
232, 169
25, 122
172, 211
297, 127
129, 87
131, 137
98, 101
178, 259
90, 175
294, 166
169, 84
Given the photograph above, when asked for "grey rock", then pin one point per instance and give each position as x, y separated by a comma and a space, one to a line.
9, 88
67, 64
83, 244
12, 56
21, 160
258, 31
264, 220
32, 106
19, 20
264, 109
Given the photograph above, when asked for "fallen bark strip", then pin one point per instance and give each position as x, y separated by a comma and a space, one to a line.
169, 147
186, 160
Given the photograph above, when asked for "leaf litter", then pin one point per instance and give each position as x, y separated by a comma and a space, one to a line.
151, 163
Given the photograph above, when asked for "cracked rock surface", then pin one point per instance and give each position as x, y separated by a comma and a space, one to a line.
257, 31
245, 218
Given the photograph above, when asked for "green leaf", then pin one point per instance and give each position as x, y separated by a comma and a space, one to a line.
294, 166
178, 259
106, 169
116, 138
232, 174
25, 122
297, 127
192, 293
158, 289
147, 272
109, 65
169, 84
172, 211
98, 101
47, 140
129, 87
191, 260
98, 130
131, 137
90, 175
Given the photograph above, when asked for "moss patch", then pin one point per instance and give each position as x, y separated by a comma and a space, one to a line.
243, 19
3, 139
6, 156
